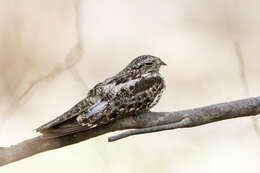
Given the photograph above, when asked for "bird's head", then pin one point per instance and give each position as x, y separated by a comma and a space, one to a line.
145, 64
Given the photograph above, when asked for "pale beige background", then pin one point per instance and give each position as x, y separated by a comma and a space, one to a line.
39, 80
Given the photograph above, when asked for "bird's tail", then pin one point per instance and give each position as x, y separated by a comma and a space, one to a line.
66, 128
93, 117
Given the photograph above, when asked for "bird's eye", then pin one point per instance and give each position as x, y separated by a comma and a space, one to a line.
148, 63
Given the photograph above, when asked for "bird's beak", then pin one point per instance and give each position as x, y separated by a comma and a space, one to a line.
162, 63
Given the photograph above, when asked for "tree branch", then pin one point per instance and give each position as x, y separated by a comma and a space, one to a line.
143, 123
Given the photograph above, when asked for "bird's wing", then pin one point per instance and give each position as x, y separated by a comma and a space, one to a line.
137, 94
73, 112
67, 127
94, 94
67, 123
72, 125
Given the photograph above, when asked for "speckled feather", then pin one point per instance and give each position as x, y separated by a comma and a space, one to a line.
137, 88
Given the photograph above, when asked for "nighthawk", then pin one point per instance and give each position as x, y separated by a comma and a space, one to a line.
137, 88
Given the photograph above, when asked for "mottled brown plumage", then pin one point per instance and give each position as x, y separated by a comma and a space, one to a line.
137, 88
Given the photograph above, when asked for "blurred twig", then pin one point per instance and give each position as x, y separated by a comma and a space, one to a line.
244, 80
77, 51
143, 123
71, 59
241, 67
56, 71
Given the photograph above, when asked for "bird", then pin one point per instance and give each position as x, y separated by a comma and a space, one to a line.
135, 89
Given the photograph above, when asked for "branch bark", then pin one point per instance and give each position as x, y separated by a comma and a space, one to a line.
143, 123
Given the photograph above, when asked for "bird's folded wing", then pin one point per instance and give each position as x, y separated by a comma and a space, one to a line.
73, 112
68, 127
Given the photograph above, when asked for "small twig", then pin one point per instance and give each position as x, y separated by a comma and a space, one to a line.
172, 126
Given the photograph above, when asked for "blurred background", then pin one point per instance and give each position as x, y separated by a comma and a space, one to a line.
53, 51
